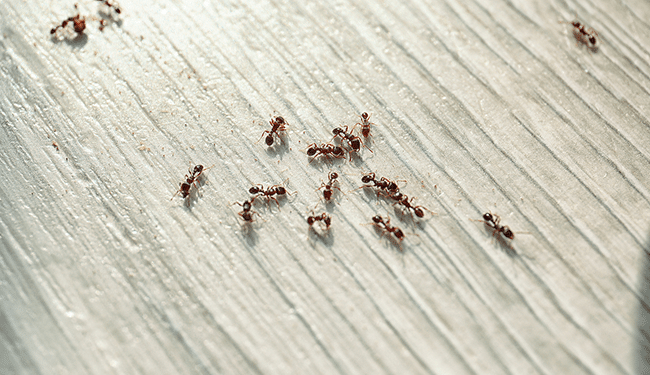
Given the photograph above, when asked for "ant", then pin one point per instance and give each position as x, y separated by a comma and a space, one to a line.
403, 199
383, 183
78, 22
190, 180
493, 221
327, 193
385, 226
365, 124
269, 192
313, 150
246, 212
110, 5
584, 35
353, 141
278, 125
325, 218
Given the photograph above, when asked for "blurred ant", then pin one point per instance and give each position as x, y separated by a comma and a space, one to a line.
78, 22
365, 124
190, 180
584, 35
353, 141
313, 150
324, 217
269, 192
112, 5
278, 125
385, 226
327, 193
246, 212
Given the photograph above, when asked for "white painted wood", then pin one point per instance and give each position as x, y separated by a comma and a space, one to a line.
479, 105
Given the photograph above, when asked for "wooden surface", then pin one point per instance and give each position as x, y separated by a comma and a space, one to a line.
483, 105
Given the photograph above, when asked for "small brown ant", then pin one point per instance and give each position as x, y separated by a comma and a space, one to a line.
353, 141
327, 193
190, 180
403, 200
383, 184
365, 124
110, 4
313, 150
385, 226
494, 221
324, 217
269, 192
278, 125
246, 212
586, 36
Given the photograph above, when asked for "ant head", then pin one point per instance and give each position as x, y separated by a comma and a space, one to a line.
399, 234
364, 115
280, 190
418, 212
576, 24
393, 186
311, 151
310, 220
592, 39
279, 120
333, 175
269, 140
337, 151
508, 233
198, 169
337, 131
255, 190
487, 216
377, 219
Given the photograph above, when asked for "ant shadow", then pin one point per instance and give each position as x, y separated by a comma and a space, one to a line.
324, 236
406, 216
318, 162
277, 150
77, 42
249, 234
389, 238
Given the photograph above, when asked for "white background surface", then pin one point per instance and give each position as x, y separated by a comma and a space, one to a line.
479, 105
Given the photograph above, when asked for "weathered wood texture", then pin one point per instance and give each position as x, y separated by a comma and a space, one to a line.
480, 105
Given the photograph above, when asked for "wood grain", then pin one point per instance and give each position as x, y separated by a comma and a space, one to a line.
479, 106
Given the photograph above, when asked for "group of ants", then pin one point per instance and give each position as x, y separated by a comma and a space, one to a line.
350, 143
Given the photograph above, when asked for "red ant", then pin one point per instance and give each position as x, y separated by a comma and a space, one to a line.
246, 212
353, 141
278, 125
190, 180
78, 22
327, 193
493, 221
383, 183
110, 5
269, 192
325, 218
403, 199
313, 150
365, 124
385, 226
584, 35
